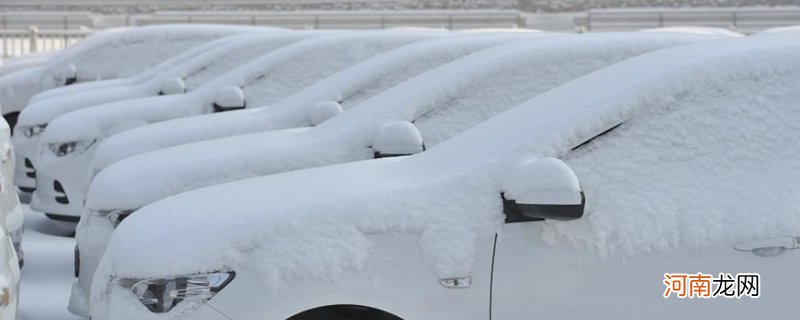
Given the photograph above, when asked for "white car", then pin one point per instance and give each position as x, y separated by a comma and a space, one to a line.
440, 102
178, 75
106, 55
586, 202
68, 144
356, 83
9, 278
11, 214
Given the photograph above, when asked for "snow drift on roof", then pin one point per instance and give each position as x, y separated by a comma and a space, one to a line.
145, 47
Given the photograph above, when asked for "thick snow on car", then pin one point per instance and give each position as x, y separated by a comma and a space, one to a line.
309, 106
68, 144
646, 162
442, 102
9, 278
11, 216
178, 75
110, 54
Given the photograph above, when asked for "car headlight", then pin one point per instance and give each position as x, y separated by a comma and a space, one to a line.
162, 295
34, 130
115, 216
65, 148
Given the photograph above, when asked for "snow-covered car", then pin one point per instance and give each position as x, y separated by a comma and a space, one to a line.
9, 278
106, 55
440, 102
178, 75
11, 214
579, 203
309, 106
68, 144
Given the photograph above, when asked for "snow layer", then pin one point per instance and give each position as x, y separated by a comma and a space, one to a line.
441, 103
281, 73
709, 117
205, 62
345, 88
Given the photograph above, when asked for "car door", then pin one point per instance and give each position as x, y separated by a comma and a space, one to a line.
534, 280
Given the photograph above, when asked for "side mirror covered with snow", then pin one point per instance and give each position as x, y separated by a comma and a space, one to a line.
68, 74
323, 111
398, 138
173, 85
542, 189
229, 98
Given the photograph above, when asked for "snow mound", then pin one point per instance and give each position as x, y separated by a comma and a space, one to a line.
398, 138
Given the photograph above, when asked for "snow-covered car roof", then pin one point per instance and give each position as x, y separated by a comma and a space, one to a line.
264, 81
679, 106
441, 103
347, 87
134, 49
205, 63
171, 62
780, 30
709, 31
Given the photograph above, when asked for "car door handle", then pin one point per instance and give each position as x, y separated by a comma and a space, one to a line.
771, 244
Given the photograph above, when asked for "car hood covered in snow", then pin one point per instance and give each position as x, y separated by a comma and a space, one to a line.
450, 195
346, 88
441, 103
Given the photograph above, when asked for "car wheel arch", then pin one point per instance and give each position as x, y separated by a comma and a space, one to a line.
344, 312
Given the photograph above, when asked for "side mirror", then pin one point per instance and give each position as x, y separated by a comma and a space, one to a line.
173, 85
68, 74
229, 98
323, 111
542, 189
398, 138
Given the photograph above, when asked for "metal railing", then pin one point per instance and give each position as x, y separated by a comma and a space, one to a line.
21, 42
743, 20
344, 19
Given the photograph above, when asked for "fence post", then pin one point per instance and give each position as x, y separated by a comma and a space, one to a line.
33, 38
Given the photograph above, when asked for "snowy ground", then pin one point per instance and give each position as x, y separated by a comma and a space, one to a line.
48, 272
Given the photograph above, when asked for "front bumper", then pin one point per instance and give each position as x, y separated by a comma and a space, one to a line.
120, 304
60, 185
